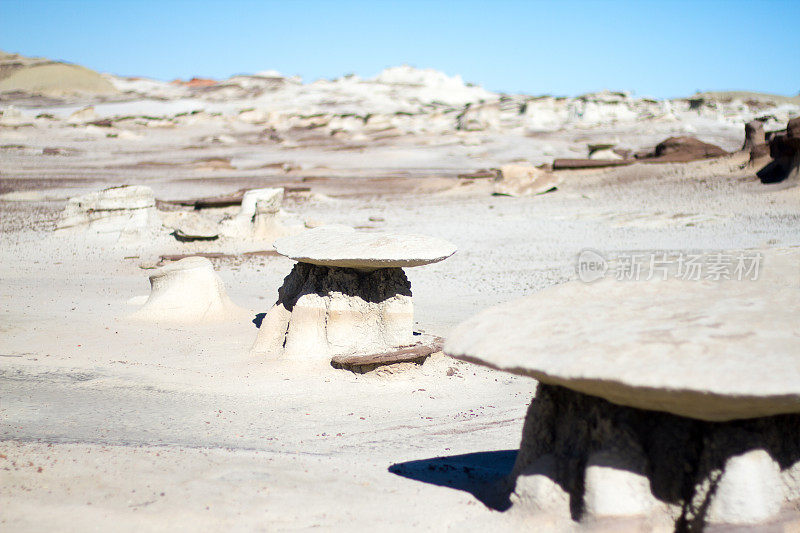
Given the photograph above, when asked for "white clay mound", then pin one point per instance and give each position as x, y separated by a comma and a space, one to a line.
188, 291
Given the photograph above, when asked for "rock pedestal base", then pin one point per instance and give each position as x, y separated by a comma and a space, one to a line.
326, 311
584, 458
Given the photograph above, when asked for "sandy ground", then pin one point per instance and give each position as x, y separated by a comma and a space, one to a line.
112, 424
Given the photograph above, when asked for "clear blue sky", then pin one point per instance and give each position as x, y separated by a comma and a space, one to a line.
660, 48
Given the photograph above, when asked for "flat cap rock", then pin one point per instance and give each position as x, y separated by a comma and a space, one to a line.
711, 350
342, 246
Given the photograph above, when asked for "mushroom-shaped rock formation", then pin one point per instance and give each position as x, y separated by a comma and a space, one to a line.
784, 148
125, 209
663, 400
347, 295
188, 291
259, 217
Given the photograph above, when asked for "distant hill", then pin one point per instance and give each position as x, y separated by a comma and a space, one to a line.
36, 75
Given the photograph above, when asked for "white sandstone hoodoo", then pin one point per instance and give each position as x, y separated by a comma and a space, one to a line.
347, 295
188, 291
673, 402
123, 210
259, 217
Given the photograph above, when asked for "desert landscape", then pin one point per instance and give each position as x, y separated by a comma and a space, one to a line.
267, 304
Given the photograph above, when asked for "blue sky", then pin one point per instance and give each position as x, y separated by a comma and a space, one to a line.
659, 48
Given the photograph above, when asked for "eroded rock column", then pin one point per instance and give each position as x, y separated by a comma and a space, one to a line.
600, 460
325, 311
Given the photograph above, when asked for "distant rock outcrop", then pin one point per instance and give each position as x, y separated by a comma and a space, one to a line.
681, 150
195, 82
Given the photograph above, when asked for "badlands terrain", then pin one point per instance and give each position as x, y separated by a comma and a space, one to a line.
109, 422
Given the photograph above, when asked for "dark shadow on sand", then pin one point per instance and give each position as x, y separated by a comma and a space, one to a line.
258, 319
482, 474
